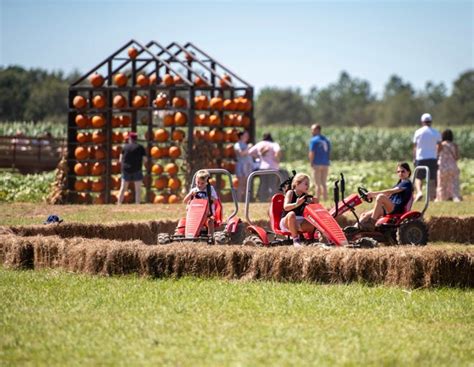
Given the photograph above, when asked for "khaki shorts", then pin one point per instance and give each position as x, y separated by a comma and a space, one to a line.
320, 174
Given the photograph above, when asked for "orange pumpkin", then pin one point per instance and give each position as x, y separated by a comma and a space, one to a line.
79, 102
214, 120
81, 185
229, 151
161, 135
171, 169
120, 80
168, 80
216, 103
97, 186
83, 137
153, 79
115, 167
81, 169
98, 137
157, 169
125, 120
116, 151
99, 200
117, 137
168, 119
179, 102
119, 101
161, 100
225, 81
82, 121
160, 183
155, 152
159, 199
98, 121
132, 52
216, 135
97, 169
81, 153
99, 154
138, 101
201, 102
177, 80
174, 152
235, 183
228, 105
202, 119
177, 135
180, 118
96, 80
174, 183
200, 82
142, 80
98, 101
115, 183
173, 199
83, 198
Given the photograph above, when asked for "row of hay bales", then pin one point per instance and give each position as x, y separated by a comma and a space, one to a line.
410, 267
446, 229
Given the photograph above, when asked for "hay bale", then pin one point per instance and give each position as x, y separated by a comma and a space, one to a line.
451, 229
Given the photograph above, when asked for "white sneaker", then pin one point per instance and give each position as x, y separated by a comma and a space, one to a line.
457, 200
418, 197
297, 244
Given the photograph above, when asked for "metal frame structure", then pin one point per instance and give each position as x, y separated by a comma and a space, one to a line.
185, 61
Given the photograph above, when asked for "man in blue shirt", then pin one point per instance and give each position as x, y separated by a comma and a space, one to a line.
319, 152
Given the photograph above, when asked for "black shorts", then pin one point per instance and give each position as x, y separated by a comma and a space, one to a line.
432, 165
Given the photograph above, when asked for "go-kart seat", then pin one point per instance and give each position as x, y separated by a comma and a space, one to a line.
276, 210
391, 219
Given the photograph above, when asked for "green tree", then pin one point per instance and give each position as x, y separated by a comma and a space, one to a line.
14, 92
460, 105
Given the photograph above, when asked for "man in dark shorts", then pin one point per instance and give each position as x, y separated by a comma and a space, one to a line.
131, 160
425, 153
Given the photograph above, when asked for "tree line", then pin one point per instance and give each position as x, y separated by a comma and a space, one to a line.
39, 95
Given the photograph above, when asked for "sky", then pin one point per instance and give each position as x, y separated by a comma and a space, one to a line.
298, 44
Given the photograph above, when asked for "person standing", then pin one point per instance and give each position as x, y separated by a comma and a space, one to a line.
319, 154
244, 164
131, 161
448, 171
268, 152
426, 143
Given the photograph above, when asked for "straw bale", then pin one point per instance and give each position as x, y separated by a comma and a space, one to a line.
451, 229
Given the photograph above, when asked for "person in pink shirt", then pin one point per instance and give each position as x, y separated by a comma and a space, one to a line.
268, 152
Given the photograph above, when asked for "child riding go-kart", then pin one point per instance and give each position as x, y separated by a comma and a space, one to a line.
204, 214
326, 228
402, 228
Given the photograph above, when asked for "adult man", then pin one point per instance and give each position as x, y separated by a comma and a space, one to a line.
131, 160
319, 153
425, 150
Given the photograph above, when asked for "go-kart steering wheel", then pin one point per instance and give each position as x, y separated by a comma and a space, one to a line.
363, 194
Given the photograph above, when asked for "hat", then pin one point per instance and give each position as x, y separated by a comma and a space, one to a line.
132, 135
52, 219
426, 117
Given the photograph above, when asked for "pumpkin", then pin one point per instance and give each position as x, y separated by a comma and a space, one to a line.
173, 199
161, 100
200, 82
201, 102
117, 137
115, 183
225, 81
115, 167
235, 183
180, 118
168, 80
168, 119
177, 80
99, 154
153, 79
116, 151
98, 101
214, 120
157, 169
189, 56
160, 183
174, 183
97, 186
98, 121
164, 151
81, 169
79, 102
96, 80
125, 120
177, 135
81, 153
246, 104
216, 135
120, 80
83, 137
142, 80
229, 151
99, 200
82, 121
161, 135
171, 169
202, 119
228, 105
174, 152
155, 152
179, 102
228, 120
216, 103
138, 101
127, 197
81, 185
159, 199
132, 52
83, 198
97, 169
119, 101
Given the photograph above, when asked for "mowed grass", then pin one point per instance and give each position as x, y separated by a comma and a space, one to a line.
55, 318
34, 213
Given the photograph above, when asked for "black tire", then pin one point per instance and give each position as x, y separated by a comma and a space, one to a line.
164, 238
238, 236
253, 241
365, 242
221, 238
412, 232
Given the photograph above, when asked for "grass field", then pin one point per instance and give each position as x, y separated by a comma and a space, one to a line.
56, 318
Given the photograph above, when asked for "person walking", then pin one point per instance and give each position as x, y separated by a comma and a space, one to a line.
448, 171
131, 161
319, 154
244, 164
426, 141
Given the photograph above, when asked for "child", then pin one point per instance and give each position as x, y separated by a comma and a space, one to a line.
200, 192
292, 219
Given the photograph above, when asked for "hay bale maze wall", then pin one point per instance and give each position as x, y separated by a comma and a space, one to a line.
409, 267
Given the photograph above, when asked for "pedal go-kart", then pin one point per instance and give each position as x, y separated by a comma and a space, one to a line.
195, 226
327, 231
407, 228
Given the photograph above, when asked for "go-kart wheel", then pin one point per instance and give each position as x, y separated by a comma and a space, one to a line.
221, 238
164, 238
238, 236
363, 194
365, 242
253, 241
412, 232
